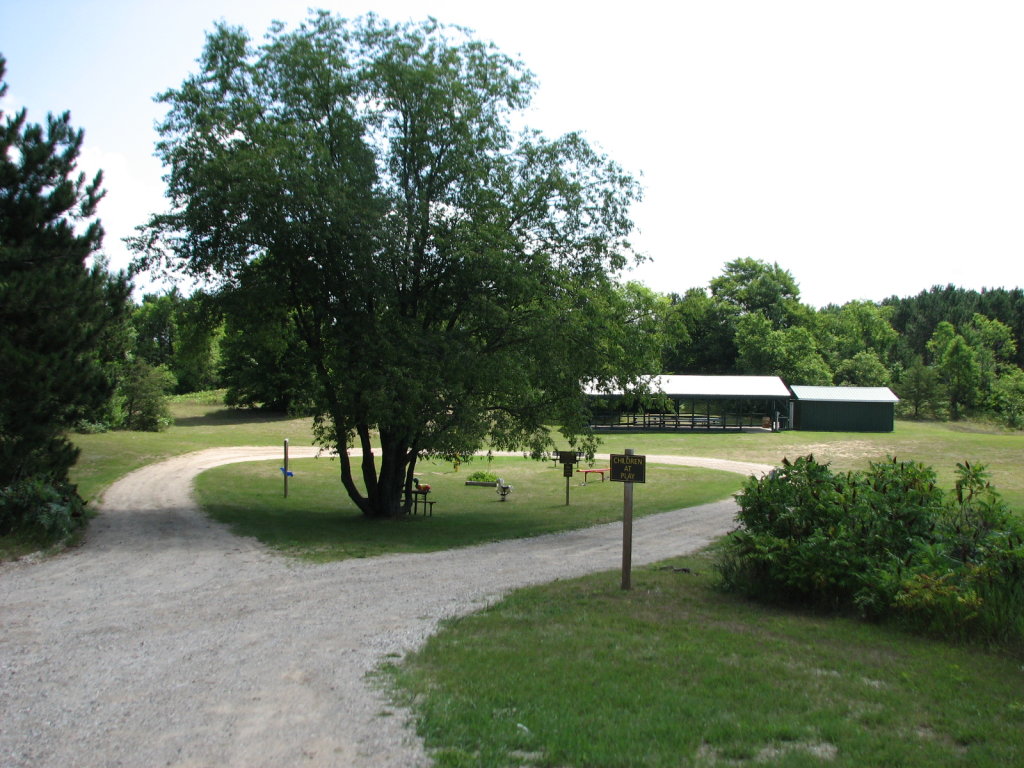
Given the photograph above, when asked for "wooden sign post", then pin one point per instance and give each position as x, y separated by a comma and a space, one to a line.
284, 469
567, 459
628, 468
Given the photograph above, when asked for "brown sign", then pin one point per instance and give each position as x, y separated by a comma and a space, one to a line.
567, 470
628, 469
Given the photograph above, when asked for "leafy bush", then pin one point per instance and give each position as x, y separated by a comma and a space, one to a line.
40, 510
885, 542
482, 477
143, 397
88, 427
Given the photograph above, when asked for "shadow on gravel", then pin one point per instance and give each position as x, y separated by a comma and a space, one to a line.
164, 530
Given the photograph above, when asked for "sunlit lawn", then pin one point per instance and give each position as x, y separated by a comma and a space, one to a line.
317, 520
675, 673
937, 444
199, 424
202, 425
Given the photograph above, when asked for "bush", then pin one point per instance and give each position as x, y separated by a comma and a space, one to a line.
810, 535
482, 477
143, 397
39, 510
885, 542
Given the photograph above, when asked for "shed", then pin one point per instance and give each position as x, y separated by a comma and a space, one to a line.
694, 402
843, 409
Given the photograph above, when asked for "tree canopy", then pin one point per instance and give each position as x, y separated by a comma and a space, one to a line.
55, 306
451, 279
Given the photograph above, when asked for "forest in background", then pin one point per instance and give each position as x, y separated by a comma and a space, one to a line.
948, 352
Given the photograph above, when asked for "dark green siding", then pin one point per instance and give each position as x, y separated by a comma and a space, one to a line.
824, 416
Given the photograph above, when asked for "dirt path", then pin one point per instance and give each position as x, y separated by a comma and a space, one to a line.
166, 640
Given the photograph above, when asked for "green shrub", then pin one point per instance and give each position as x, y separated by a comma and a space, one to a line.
811, 536
143, 397
42, 511
885, 542
482, 477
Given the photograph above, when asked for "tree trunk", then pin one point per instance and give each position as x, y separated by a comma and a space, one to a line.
384, 480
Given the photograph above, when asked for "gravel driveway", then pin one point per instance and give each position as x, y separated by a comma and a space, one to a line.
166, 640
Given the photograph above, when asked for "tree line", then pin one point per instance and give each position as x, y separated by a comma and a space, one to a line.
947, 352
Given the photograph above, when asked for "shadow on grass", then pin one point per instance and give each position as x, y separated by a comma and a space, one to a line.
224, 416
319, 535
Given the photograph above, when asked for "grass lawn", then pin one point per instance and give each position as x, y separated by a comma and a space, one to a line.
675, 673
319, 522
200, 422
203, 422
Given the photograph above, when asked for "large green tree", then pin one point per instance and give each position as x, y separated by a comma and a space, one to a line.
700, 334
919, 387
263, 360
749, 285
57, 302
961, 375
450, 279
182, 334
790, 353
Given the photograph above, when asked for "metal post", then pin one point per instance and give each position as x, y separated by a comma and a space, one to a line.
285, 471
627, 531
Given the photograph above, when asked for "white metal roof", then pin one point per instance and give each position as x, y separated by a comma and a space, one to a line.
715, 386
845, 394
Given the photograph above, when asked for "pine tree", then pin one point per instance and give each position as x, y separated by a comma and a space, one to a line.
55, 306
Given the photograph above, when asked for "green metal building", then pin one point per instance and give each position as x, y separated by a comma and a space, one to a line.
843, 409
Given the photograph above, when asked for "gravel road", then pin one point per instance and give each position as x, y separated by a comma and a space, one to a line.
166, 640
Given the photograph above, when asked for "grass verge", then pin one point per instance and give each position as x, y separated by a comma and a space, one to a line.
674, 673
318, 522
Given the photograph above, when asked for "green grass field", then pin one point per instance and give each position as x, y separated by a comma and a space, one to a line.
937, 444
203, 424
318, 521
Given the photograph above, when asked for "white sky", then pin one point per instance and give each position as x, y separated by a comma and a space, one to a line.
871, 148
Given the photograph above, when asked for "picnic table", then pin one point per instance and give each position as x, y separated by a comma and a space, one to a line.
586, 472
417, 496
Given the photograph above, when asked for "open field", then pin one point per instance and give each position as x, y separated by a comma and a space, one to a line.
205, 425
198, 425
938, 444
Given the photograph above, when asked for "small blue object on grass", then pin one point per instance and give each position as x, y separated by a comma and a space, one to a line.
287, 473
